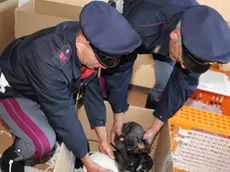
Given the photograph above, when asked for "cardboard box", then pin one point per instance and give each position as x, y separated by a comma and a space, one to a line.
27, 22
60, 7
143, 71
6, 22
2, 1
161, 149
80, 3
59, 160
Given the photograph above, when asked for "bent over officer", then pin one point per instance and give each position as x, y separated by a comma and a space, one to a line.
185, 38
46, 69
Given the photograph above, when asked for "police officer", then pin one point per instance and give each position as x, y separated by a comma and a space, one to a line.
42, 72
185, 38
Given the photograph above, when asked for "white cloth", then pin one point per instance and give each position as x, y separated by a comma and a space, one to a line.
3, 83
103, 160
119, 5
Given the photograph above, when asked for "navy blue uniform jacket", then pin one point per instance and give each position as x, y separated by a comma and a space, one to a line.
154, 20
45, 68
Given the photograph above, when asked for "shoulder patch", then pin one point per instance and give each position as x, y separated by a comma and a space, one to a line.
64, 54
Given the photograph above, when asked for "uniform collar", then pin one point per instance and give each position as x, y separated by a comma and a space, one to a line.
76, 63
71, 31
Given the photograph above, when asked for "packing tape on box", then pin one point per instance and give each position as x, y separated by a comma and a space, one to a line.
22, 2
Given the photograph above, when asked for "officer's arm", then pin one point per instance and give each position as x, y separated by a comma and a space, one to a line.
179, 88
94, 104
57, 102
95, 108
117, 82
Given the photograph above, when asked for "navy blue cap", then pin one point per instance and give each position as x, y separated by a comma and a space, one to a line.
107, 30
205, 35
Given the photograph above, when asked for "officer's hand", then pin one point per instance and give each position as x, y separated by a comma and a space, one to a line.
106, 148
151, 133
149, 136
116, 130
93, 167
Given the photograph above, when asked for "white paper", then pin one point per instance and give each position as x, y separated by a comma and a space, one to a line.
203, 106
215, 82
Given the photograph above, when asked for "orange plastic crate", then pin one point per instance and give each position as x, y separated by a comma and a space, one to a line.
221, 101
200, 141
189, 118
214, 99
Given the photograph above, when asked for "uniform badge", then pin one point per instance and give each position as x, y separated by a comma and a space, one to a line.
156, 50
64, 54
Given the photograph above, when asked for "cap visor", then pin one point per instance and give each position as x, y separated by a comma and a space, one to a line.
193, 65
108, 62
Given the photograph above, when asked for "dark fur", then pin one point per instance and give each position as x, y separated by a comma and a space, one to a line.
128, 156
